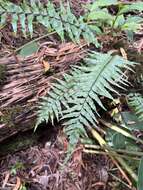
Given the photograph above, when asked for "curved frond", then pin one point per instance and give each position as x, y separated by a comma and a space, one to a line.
102, 76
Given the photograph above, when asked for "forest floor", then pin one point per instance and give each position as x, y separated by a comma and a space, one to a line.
40, 165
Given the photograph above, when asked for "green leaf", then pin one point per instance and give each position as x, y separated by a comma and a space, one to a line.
23, 25
14, 22
140, 175
58, 27
96, 29
135, 101
3, 19
30, 24
131, 26
120, 20
76, 32
25, 7
131, 120
132, 23
103, 3
119, 141
29, 49
131, 7
130, 35
100, 15
34, 6
61, 20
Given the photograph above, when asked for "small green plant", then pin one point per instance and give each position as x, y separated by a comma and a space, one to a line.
100, 14
23, 187
16, 167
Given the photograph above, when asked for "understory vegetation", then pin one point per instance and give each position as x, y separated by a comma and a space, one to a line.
98, 101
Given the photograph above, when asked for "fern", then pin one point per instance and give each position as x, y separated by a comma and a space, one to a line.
99, 13
135, 101
75, 99
62, 21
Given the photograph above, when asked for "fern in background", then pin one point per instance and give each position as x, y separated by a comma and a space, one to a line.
75, 99
98, 12
65, 23
62, 21
135, 101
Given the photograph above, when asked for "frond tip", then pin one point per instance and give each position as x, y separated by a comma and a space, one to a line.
135, 101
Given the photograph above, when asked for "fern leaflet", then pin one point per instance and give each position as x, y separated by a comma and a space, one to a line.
135, 101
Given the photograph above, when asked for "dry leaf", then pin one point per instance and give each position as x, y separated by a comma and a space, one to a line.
46, 65
124, 54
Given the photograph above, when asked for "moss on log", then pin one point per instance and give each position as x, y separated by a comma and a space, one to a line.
2, 73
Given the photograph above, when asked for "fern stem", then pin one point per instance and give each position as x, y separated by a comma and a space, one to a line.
118, 179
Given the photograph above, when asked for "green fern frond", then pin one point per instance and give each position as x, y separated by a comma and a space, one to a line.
62, 21
79, 93
135, 101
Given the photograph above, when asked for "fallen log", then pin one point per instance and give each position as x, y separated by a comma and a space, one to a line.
25, 80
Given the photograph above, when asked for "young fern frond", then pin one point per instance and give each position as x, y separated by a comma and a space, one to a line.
102, 76
135, 101
62, 21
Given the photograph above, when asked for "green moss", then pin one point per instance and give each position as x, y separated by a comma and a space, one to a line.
2, 73
9, 114
19, 142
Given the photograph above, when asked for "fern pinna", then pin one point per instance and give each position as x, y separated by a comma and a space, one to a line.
75, 98
62, 21
135, 101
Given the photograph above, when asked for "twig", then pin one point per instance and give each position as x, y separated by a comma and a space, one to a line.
91, 146
107, 153
35, 40
118, 179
